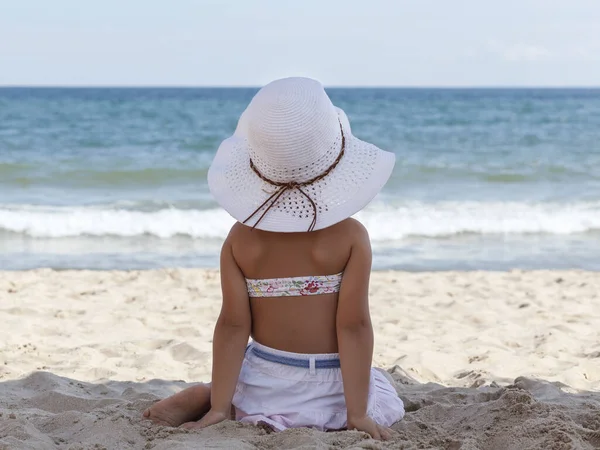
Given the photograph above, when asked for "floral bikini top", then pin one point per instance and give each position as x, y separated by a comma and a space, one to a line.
296, 286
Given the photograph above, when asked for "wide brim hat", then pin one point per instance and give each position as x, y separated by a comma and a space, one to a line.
291, 134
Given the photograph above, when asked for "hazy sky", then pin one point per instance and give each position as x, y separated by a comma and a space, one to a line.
340, 42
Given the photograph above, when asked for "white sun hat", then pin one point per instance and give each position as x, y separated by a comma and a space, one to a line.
293, 164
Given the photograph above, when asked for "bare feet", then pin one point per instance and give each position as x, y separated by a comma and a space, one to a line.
186, 406
211, 418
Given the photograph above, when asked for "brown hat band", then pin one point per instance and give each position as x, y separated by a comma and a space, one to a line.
284, 187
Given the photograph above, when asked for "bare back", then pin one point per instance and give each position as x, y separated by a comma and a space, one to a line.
300, 324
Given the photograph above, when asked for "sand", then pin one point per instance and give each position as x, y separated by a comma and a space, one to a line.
483, 360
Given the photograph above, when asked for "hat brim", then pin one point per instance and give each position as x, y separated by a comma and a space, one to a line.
360, 175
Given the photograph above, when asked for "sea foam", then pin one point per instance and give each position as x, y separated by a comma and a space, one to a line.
385, 223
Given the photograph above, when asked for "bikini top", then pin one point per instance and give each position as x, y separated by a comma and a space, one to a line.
295, 286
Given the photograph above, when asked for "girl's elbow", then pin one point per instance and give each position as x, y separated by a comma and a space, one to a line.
234, 324
358, 324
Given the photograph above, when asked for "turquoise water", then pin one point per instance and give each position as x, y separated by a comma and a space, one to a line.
116, 178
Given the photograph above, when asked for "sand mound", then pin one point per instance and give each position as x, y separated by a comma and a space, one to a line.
44, 411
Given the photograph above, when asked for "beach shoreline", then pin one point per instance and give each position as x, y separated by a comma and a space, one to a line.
484, 178
448, 338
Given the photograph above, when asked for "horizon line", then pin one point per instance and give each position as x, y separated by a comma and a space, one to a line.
207, 86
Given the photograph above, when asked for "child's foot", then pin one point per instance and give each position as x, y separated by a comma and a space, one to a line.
161, 414
185, 406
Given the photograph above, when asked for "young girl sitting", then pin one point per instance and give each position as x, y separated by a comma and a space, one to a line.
295, 274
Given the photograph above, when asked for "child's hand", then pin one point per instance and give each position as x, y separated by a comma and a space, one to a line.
369, 426
210, 418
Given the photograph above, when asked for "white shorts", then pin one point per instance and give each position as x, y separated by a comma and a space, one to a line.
290, 390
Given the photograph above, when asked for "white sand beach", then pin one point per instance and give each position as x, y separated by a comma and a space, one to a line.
482, 360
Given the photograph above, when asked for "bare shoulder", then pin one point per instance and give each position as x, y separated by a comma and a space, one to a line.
243, 243
237, 233
352, 230
233, 241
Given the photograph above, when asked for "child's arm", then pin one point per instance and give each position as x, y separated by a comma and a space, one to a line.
230, 338
355, 335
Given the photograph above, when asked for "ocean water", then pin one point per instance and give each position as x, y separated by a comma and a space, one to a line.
485, 179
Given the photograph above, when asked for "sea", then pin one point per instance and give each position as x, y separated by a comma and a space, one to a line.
485, 179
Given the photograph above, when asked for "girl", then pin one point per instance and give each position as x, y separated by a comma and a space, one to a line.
294, 273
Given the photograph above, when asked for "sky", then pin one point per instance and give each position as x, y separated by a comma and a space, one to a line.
340, 42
